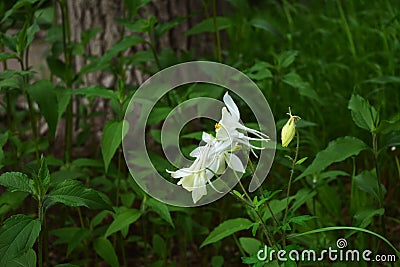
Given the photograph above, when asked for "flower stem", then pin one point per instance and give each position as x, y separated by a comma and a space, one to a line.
249, 202
289, 185
41, 234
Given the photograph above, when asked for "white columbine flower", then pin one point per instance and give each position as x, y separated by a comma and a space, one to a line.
212, 158
229, 128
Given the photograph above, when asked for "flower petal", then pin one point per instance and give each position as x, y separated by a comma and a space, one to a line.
234, 162
233, 109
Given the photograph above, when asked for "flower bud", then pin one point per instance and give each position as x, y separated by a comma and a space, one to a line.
289, 130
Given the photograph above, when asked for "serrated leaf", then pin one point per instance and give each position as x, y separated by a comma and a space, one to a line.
73, 193
122, 220
105, 250
336, 151
364, 115
17, 236
44, 94
227, 228
12, 82
28, 259
207, 25
16, 181
43, 177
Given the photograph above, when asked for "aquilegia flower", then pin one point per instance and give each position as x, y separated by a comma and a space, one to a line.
230, 127
289, 130
218, 152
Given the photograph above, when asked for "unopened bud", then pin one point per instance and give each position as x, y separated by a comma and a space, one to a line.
289, 130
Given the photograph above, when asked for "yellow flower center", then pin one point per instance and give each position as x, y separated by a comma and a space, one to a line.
217, 126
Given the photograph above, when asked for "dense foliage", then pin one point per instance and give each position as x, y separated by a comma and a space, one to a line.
67, 197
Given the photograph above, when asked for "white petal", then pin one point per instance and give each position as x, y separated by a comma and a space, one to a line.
195, 153
180, 173
234, 162
199, 187
233, 109
187, 182
206, 137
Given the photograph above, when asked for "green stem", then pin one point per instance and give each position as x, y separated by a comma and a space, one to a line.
32, 115
378, 180
217, 35
249, 202
119, 176
290, 184
251, 166
41, 234
68, 82
346, 28
397, 164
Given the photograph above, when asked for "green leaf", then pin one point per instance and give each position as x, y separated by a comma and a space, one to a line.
12, 82
28, 259
72, 236
364, 115
217, 261
158, 114
16, 181
368, 182
337, 151
122, 220
263, 24
207, 25
161, 209
259, 71
364, 216
304, 88
44, 94
11, 201
112, 137
227, 228
41, 182
17, 236
105, 250
300, 161
96, 91
5, 56
122, 45
286, 58
249, 244
391, 125
159, 246
384, 80
60, 69
73, 193
301, 219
